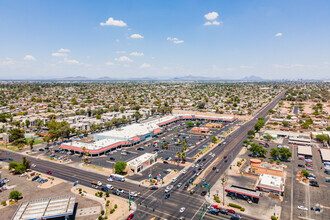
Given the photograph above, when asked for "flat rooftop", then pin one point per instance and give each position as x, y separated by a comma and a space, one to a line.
46, 208
305, 150
325, 154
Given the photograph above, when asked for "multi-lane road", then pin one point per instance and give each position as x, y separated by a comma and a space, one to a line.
152, 203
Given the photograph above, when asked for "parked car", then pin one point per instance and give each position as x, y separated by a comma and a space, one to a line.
231, 211
216, 206
167, 195
130, 216
236, 217
301, 165
302, 207
309, 169
224, 211
314, 184
111, 158
317, 209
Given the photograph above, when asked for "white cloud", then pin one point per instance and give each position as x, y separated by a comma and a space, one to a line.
296, 65
136, 54
178, 41
62, 50
175, 40
245, 67
123, 59
230, 68
145, 65
8, 62
278, 35
113, 22
59, 55
71, 61
211, 16
137, 36
109, 63
29, 58
120, 51
208, 23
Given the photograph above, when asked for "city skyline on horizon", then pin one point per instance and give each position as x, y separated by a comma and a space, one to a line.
164, 40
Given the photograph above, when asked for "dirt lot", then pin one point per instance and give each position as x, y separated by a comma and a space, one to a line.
31, 191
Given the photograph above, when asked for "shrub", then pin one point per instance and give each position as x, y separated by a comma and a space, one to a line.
112, 211
116, 206
100, 217
273, 218
4, 203
15, 195
239, 163
216, 198
102, 212
107, 194
235, 205
242, 209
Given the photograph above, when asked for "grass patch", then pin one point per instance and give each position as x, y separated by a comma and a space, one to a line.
94, 167
9, 147
36, 141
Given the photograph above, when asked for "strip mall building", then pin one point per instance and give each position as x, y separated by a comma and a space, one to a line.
130, 135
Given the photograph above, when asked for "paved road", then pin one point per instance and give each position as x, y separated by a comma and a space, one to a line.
152, 203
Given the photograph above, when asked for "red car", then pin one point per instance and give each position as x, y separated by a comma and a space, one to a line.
231, 211
49, 172
216, 206
130, 216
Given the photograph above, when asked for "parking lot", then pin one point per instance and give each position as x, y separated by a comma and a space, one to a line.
31, 190
173, 134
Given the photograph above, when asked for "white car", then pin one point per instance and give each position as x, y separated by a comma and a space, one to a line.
133, 194
302, 207
168, 188
110, 180
182, 209
184, 171
99, 183
109, 186
197, 165
193, 165
309, 160
33, 165
22, 175
311, 178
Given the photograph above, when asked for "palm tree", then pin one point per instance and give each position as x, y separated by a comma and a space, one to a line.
179, 155
183, 155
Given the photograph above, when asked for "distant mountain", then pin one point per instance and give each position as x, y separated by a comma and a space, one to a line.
252, 78
73, 78
194, 78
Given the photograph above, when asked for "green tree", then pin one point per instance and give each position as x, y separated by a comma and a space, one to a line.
26, 162
328, 128
31, 143
214, 139
285, 153
322, 137
16, 136
20, 168
183, 155
251, 132
274, 152
268, 136
285, 123
27, 123
98, 117
120, 167
12, 165
189, 124
178, 154
305, 173
15, 194
198, 123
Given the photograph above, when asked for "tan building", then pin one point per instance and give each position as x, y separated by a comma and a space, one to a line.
259, 167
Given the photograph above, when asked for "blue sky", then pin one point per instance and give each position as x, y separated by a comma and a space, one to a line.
273, 39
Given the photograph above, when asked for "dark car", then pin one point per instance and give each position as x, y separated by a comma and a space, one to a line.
111, 158
224, 211
226, 161
192, 191
105, 189
140, 148
203, 193
199, 160
166, 172
35, 178
236, 217
214, 168
11, 159
224, 157
301, 165
194, 171
167, 195
153, 187
165, 162
187, 185
317, 209
203, 159
314, 184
